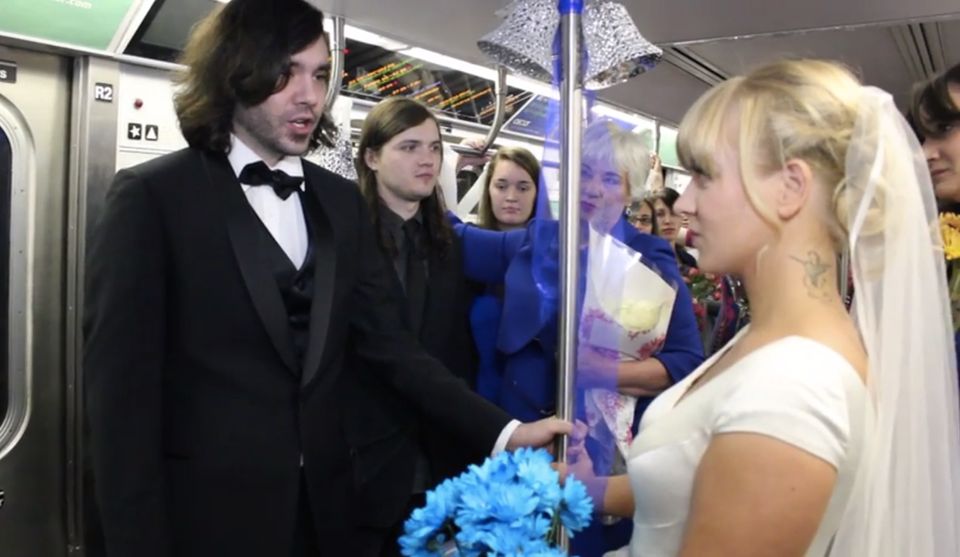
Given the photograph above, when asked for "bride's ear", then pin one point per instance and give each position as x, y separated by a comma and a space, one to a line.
794, 188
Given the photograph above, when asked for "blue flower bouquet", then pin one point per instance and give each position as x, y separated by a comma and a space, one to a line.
511, 505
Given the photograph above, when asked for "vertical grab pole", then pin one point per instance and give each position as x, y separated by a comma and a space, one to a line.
336, 42
571, 122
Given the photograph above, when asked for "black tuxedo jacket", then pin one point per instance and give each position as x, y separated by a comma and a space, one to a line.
198, 413
389, 431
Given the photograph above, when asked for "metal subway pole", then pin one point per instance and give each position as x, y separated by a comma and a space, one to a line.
571, 122
336, 42
589, 102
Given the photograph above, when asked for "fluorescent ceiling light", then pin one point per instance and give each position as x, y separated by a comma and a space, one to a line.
519, 82
356, 34
611, 112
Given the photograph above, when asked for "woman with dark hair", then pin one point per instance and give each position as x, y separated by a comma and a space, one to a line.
510, 193
510, 189
641, 215
669, 224
935, 118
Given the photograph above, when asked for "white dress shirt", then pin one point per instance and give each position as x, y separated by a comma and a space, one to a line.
282, 217
285, 221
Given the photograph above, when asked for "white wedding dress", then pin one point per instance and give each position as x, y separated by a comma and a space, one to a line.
795, 390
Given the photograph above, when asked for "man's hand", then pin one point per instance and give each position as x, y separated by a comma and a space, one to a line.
539, 435
578, 462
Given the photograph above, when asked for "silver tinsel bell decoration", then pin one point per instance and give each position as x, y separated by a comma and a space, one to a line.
524, 42
616, 51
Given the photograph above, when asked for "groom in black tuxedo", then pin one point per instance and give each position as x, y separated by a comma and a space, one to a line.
223, 283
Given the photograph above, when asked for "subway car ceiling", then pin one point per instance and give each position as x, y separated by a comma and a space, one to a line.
891, 43
376, 68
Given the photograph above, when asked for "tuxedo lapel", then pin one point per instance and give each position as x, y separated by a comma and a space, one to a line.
239, 218
324, 272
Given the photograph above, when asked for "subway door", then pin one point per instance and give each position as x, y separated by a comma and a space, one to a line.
34, 137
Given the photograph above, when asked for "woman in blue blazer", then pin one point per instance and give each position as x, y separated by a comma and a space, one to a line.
510, 195
614, 161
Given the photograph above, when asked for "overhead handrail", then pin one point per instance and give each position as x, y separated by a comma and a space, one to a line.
499, 116
337, 43
472, 197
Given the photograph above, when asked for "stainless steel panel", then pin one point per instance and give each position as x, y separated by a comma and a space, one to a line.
93, 156
34, 115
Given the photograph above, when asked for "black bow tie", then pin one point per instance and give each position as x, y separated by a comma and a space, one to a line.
259, 174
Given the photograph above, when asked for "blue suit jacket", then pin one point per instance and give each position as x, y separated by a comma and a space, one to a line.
528, 330
508, 258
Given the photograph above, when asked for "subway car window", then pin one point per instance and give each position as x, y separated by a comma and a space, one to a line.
6, 179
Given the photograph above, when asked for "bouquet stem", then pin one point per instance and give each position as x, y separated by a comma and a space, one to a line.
554, 534
955, 294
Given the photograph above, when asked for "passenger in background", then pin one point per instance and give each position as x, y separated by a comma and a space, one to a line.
510, 189
935, 117
338, 157
507, 203
400, 156
468, 168
228, 286
657, 176
640, 214
670, 223
615, 167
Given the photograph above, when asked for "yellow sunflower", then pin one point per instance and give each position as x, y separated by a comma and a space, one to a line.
950, 230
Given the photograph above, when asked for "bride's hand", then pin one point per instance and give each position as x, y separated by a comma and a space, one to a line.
578, 461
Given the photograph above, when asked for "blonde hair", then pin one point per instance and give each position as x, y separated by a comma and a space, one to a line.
792, 109
606, 142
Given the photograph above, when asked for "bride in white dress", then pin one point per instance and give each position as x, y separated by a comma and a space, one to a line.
815, 431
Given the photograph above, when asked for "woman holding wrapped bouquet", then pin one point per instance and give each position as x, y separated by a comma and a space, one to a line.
814, 431
614, 169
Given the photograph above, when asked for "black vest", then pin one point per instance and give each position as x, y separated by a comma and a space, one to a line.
295, 285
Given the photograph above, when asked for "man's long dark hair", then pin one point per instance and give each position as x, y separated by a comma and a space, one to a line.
239, 55
388, 119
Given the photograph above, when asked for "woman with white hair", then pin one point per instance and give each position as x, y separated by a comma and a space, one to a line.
615, 164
